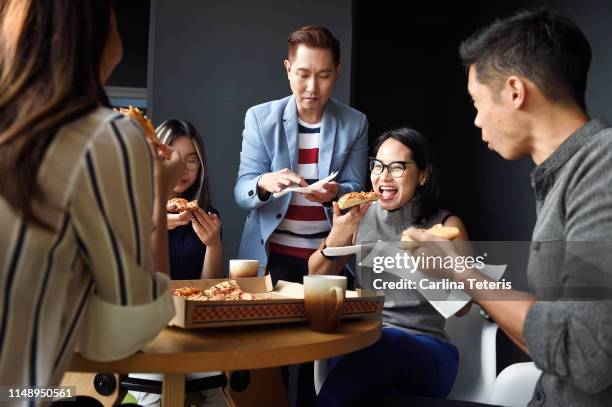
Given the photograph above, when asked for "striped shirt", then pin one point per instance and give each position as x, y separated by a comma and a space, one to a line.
305, 224
77, 285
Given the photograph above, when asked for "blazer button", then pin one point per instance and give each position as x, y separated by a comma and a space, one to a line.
278, 216
251, 192
261, 241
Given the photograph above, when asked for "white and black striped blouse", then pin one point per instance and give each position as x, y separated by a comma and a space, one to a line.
79, 282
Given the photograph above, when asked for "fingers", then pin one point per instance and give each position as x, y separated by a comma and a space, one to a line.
419, 235
215, 218
163, 151
311, 197
363, 208
292, 177
336, 209
331, 187
203, 218
209, 220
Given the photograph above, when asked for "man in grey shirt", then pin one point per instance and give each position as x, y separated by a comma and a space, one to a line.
527, 78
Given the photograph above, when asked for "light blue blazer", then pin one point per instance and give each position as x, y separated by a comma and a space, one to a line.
270, 143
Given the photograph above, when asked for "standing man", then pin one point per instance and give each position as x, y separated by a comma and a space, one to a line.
527, 78
298, 140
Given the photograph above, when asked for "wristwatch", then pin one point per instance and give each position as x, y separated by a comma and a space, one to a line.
330, 258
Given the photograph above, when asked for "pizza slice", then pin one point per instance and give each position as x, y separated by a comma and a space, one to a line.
176, 205
138, 116
444, 232
147, 127
186, 291
356, 198
224, 291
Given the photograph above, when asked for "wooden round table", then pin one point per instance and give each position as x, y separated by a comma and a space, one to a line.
176, 351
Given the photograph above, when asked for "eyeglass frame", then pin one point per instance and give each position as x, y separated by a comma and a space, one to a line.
386, 166
195, 160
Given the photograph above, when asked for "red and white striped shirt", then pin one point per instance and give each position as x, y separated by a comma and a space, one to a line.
305, 224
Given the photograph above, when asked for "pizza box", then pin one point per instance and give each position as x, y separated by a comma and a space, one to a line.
280, 304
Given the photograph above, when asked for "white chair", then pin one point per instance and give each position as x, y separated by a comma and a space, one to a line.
515, 385
475, 338
321, 370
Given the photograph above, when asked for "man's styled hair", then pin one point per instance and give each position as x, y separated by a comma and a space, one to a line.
314, 37
545, 48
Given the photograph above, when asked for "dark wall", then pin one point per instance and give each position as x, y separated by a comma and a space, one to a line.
595, 18
133, 24
211, 60
406, 72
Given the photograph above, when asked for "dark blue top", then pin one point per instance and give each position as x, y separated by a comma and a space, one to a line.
186, 252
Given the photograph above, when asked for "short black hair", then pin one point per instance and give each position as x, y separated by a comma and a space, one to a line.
425, 202
549, 50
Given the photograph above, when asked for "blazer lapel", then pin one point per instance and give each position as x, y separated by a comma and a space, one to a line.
328, 138
291, 132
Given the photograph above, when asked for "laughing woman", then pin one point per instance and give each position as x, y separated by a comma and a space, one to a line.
414, 356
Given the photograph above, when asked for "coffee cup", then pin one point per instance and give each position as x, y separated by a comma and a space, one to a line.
323, 301
243, 268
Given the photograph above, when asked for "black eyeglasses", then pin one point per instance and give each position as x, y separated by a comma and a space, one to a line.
395, 168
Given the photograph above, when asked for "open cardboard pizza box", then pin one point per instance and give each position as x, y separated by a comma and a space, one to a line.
283, 303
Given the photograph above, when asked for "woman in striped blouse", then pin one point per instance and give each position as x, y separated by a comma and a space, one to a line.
82, 197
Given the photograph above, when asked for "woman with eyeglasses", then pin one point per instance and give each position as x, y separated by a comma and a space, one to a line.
194, 237
413, 356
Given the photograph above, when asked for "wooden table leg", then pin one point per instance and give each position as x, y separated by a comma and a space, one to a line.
173, 390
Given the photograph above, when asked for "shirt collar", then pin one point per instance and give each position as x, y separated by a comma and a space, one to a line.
566, 150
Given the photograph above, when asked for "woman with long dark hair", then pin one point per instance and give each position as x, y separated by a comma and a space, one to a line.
194, 236
80, 189
413, 356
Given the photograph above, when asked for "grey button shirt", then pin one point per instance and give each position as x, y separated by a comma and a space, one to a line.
568, 336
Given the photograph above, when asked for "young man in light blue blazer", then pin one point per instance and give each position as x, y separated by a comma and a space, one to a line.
298, 140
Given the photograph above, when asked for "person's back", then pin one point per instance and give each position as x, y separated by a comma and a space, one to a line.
527, 76
48, 276
77, 197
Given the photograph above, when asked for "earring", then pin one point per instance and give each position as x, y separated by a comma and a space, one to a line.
422, 181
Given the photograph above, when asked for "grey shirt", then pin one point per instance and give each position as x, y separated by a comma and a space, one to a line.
405, 309
571, 256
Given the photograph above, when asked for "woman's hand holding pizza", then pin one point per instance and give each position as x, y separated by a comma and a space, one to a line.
345, 225
207, 226
168, 172
178, 219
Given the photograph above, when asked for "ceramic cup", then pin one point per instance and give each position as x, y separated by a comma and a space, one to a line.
323, 300
243, 268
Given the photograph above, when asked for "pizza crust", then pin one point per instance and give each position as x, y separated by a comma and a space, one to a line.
146, 124
356, 198
444, 232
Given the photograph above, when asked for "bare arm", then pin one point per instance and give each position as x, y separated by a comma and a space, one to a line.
207, 227
213, 262
343, 233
